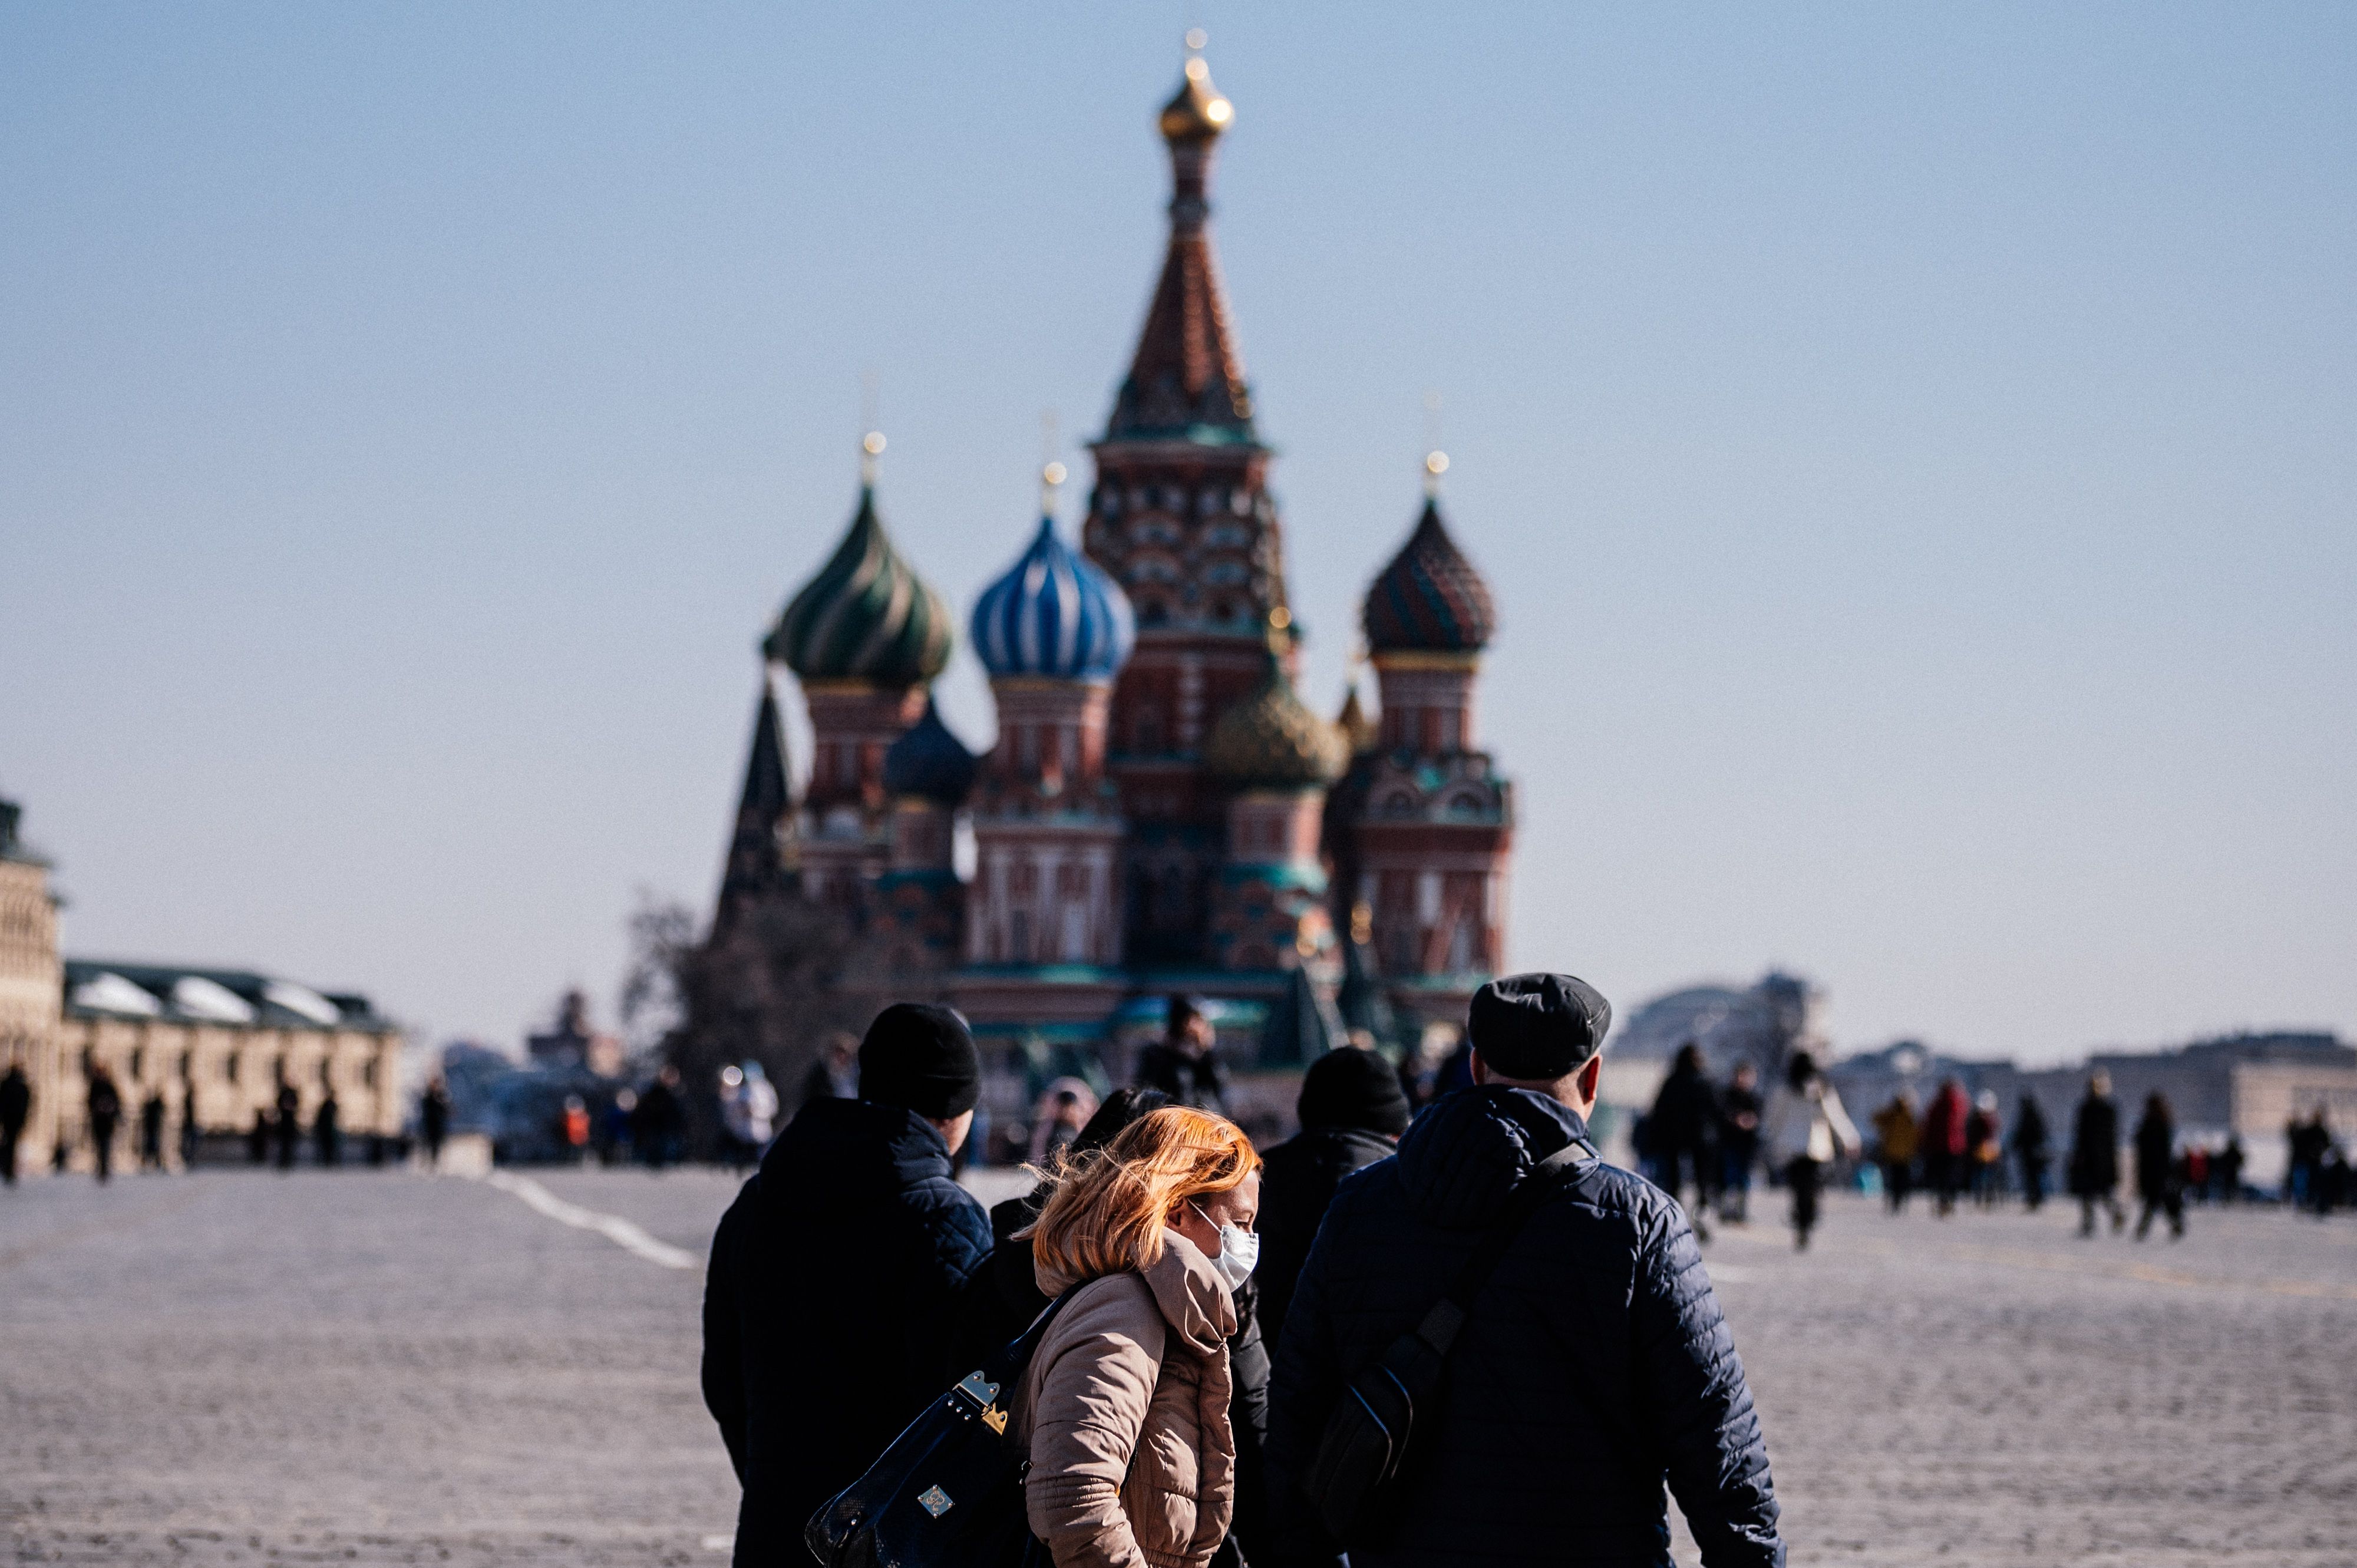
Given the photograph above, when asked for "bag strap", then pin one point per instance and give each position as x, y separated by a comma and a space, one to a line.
1441, 1325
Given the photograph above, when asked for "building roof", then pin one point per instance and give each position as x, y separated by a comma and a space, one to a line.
1053, 615
1300, 1027
762, 851
1269, 736
1429, 599
867, 615
238, 998
928, 761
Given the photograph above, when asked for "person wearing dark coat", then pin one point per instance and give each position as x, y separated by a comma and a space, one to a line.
2031, 1150
1008, 1287
105, 1108
289, 1124
1352, 1112
258, 1140
434, 1120
1595, 1363
1185, 1063
15, 1108
2096, 1156
835, 1306
2158, 1184
1681, 1130
327, 1131
151, 1132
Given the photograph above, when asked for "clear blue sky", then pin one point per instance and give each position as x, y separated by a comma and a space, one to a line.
1911, 447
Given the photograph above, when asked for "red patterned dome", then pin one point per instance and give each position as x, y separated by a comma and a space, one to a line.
1429, 599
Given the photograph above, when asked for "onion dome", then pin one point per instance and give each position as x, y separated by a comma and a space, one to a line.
1055, 615
929, 760
867, 615
1429, 599
1201, 111
1270, 737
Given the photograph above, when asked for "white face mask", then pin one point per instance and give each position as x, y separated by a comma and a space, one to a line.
1239, 1251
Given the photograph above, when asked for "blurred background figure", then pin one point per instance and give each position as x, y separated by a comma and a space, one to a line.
836, 1074
1985, 1149
1679, 1131
1901, 1135
327, 1131
1946, 1145
660, 1122
1063, 1108
105, 1108
2095, 1154
434, 1120
190, 1139
572, 1130
1739, 1143
2032, 1151
1352, 1112
258, 1140
1185, 1063
2307, 1142
289, 1125
151, 1131
2156, 1167
614, 1127
15, 1105
1808, 1129
2226, 1172
748, 1111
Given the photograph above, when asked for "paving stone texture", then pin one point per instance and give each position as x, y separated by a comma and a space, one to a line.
387, 1367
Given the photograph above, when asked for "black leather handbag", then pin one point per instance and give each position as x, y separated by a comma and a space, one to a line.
948, 1493
1353, 1481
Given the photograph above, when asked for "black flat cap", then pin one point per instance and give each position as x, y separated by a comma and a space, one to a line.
921, 1058
1537, 1026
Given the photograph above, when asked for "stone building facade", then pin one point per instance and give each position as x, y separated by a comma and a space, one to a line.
1162, 812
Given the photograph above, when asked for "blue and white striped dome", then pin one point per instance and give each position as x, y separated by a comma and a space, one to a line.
1056, 615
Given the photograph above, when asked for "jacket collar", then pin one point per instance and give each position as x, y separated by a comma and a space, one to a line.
1462, 1158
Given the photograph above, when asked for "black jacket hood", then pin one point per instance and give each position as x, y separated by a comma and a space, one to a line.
857, 1148
1461, 1158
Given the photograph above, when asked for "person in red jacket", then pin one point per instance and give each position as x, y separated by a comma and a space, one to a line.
1946, 1143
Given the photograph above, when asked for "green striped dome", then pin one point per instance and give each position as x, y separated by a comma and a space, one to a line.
866, 616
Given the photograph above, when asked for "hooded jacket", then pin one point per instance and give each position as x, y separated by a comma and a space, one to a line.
1593, 1365
1298, 1181
1125, 1412
832, 1309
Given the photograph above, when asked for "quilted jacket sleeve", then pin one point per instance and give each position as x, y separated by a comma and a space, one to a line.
1094, 1384
1688, 1376
723, 1366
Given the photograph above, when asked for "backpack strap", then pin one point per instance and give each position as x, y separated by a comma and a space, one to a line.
1447, 1316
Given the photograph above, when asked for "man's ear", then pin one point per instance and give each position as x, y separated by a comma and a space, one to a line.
1591, 1077
1480, 1068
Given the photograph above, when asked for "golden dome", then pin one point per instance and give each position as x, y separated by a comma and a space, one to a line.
1199, 113
1270, 739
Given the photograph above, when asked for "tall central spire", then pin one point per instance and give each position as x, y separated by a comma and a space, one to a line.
1187, 381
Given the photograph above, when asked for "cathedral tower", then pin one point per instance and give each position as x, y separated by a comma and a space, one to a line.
865, 636
1181, 519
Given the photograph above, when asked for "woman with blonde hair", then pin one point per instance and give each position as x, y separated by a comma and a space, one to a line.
1124, 1408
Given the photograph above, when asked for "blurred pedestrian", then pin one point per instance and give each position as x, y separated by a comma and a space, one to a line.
572, 1130
1985, 1149
434, 1120
1124, 1410
1533, 1455
257, 1139
836, 1074
1063, 1109
16, 1107
328, 1131
1185, 1063
1900, 1137
104, 1108
1685, 1117
289, 1126
1946, 1144
613, 1138
2095, 1154
151, 1131
2229, 1169
834, 1305
659, 1122
1808, 1129
2031, 1150
2156, 1165
1738, 1142
191, 1136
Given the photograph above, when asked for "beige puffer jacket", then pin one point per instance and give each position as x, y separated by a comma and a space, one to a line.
1125, 1411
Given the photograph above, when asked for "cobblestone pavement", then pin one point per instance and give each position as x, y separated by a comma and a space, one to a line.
379, 1366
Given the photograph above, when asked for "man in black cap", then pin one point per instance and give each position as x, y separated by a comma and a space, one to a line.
1591, 1366
1352, 1112
832, 1304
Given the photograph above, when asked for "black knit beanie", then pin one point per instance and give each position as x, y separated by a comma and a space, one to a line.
921, 1058
1350, 1089
1537, 1026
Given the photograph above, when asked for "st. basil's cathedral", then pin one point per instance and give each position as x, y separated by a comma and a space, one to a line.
1162, 812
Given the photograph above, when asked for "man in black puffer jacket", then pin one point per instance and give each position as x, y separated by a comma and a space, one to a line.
1593, 1365
833, 1308
1352, 1112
